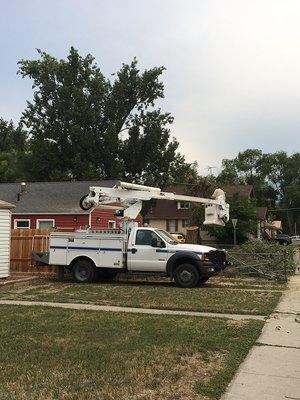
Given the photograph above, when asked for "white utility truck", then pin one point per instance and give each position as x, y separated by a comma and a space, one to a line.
137, 250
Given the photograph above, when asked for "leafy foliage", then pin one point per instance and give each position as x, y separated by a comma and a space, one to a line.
12, 151
274, 176
82, 125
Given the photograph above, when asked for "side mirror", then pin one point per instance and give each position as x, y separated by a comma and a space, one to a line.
154, 242
161, 243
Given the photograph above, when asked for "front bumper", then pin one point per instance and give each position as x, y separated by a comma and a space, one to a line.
217, 263
207, 268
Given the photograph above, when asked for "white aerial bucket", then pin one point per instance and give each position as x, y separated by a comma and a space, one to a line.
216, 215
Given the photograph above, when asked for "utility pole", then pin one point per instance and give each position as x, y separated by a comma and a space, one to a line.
210, 170
234, 222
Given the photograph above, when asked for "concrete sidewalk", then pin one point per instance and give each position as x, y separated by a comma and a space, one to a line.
271, 370
154, 311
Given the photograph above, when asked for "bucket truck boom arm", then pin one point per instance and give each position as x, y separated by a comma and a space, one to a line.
131, 196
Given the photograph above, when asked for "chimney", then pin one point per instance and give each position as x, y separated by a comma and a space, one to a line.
22, 190
23, 187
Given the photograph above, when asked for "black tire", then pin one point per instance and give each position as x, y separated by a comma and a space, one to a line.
83, 271
82, 205
203, 279
186, 276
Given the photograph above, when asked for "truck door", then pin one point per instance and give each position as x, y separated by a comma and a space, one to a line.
141, 256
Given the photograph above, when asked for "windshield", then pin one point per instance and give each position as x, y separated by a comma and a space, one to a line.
166, 236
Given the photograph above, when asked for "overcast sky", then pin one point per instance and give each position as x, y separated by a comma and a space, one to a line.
233, 66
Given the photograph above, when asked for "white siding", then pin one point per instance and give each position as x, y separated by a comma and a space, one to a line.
5, 221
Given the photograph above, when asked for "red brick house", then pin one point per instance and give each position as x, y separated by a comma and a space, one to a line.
42, 205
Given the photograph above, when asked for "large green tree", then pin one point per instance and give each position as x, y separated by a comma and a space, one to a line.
12, 151
248, 167
275, 178
283, 175
82, 125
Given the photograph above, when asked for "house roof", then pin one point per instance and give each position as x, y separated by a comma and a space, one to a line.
49, 197
4, 204
240, 190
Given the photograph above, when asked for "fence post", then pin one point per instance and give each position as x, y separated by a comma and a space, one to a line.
285, 254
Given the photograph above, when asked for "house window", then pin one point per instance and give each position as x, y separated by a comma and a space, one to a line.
172, 225
111, 224
45, 223
21, 223
185, 223
183, 205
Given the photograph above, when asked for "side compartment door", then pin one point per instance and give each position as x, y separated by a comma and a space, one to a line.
143, 257
58, 250
83, 246
111, 253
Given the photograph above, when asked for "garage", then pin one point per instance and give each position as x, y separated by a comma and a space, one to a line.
5, 233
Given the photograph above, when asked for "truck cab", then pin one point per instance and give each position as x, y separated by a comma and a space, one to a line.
151, 249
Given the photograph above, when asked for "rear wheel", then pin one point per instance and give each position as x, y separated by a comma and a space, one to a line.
83, 271
186, 276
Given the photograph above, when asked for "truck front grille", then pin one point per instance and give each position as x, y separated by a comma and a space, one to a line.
217, 257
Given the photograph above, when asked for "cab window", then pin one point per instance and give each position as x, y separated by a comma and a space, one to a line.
144, 237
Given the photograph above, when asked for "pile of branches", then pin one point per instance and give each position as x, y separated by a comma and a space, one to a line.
263, 259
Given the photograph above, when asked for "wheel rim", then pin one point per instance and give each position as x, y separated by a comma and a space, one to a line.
186, 276
81, 273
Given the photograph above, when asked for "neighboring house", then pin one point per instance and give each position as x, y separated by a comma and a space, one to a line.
261, 213
5, 236
43, 205
173, 216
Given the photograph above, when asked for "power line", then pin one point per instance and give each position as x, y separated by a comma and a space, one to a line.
285, 209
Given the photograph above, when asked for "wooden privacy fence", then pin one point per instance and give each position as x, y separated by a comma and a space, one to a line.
23, 243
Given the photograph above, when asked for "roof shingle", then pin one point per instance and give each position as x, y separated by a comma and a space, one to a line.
49, 197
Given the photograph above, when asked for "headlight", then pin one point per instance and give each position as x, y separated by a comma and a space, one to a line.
204, 257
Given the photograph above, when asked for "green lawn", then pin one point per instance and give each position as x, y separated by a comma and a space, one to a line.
56, 354
244, 296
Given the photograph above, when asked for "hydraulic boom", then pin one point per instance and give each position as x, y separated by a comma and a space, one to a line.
131, 196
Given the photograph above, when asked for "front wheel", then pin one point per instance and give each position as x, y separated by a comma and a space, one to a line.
186, 276
83, 271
